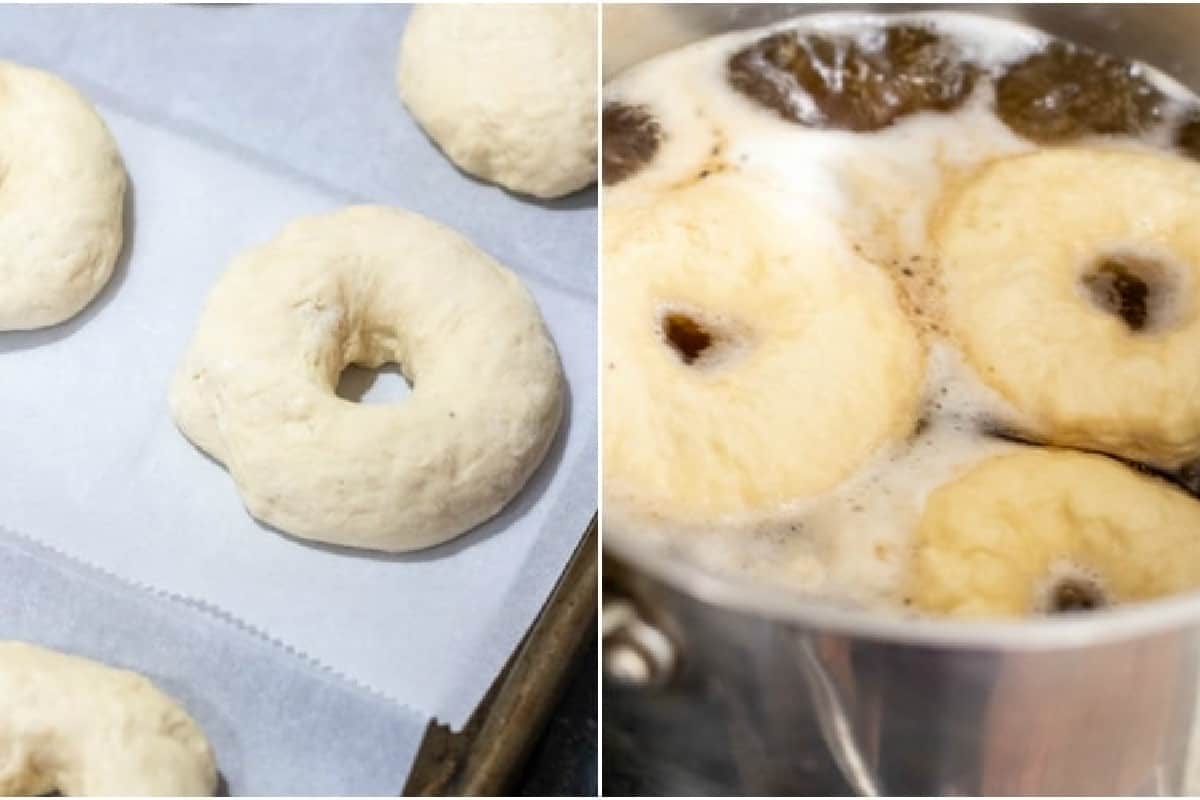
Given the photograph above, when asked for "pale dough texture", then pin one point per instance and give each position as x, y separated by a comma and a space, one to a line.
988, 540
62, 189
507, 91
811, 368
76, 727
1016, 246
370, 285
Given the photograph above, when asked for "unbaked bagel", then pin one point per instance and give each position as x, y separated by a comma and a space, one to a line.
76, 727
1073, 284
750, 358
507, 91
371, 285
1039, 530
62, 189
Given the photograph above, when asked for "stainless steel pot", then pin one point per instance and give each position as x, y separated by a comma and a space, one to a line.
713, 686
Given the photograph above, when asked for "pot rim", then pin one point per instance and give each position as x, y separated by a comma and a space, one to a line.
1067, 631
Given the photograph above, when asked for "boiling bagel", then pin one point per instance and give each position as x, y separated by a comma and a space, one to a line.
62, 187
750, 359
371, 285
75, 727
1044, 530
1071, 283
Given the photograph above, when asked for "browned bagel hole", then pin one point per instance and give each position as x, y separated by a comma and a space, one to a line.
1139, 290
1075, 594
687, 336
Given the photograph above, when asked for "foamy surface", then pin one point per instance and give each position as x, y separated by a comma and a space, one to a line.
879, 190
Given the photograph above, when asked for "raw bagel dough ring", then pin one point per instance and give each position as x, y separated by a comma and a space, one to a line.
1018, 303
62, 189
507, 91
371, 285
812, 366
76, 727
989, 540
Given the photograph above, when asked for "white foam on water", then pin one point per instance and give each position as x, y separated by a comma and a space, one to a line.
880, 191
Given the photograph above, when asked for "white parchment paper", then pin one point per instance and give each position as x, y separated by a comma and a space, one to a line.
233, 121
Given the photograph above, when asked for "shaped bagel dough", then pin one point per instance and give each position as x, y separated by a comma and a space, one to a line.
76, 727
371, 285
1073, 285
992, 542
750, 359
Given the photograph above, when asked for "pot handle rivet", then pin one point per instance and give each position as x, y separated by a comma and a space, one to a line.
636, 653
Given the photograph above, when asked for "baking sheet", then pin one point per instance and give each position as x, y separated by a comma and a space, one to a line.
309, 734
233, 121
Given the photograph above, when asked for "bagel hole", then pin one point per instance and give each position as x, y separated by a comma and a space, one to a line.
383, 384
1076, 595
1073, 593
688, 337
1136, 289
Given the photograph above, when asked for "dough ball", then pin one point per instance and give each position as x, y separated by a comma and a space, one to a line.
507, 91
62, 190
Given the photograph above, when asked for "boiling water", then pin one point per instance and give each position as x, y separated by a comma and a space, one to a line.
879, 190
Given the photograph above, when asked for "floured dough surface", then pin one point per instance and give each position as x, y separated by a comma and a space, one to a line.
76, 727
62, 189
371, 285
507, 91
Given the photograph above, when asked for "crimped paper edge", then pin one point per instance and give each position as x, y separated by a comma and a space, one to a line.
214, 612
